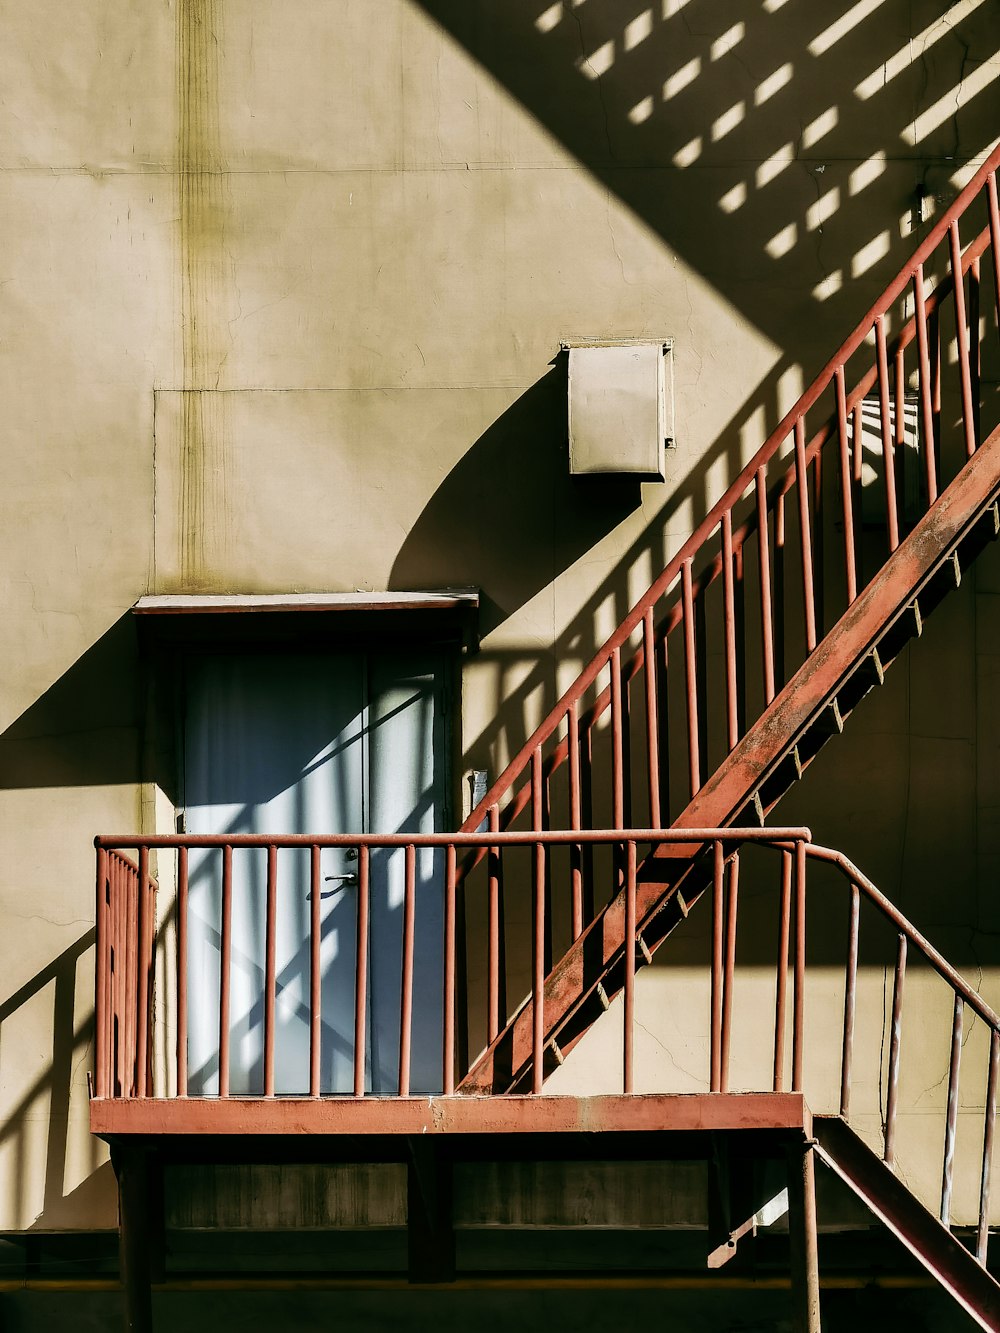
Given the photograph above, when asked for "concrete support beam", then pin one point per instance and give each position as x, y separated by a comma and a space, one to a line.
429, 1229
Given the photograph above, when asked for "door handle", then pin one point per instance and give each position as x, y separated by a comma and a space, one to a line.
342, 880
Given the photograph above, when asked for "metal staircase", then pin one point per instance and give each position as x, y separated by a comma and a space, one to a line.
755, 643
925, 1236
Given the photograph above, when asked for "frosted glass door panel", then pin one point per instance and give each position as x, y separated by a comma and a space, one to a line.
314, 743
406, 745
273, 744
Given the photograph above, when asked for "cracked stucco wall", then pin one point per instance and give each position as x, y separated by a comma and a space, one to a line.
281, 286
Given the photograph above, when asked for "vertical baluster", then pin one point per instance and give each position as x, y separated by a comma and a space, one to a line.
537, 824
764, 571
576, 849
617, 778
894, 1039
850, 999
109, 983
994, 212
546, 825
406, 1006
652, 718
701, 675
989, 1123
112, 947
779, 590
662, 665
781, 980
885, 417
142, 972
799, 976
628, 820
630, 947
690, 679
131, 970
538, 967
495, 871
975, 349
116, 963
805, 535
536, 789
962, 336
587, 801
729, 629
225, 968
728, 984
361, 966
461, 975
899, 428
182, 971
951, 1121
270, 977
123, 897
926, 405
718, 873
934, 333
102, 946
741, 640
846, 499
448, 1079
819, 544
315, 973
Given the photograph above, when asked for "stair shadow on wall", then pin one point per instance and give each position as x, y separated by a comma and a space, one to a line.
509, 518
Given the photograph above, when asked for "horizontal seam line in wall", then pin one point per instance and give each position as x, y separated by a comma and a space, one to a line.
352, 388
156, 169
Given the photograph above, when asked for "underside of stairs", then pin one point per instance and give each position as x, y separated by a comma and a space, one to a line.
809, 600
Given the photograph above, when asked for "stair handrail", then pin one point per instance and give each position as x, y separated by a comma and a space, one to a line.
965, 995
682, 561
905, 927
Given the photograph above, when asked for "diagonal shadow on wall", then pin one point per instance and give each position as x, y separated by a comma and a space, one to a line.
777, 148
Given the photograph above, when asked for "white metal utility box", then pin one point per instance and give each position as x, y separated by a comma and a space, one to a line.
620, 407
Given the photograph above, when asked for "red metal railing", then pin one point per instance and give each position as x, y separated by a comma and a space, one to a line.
964, 998
528, 864
126, 926
909, 946
475, 975
780, 556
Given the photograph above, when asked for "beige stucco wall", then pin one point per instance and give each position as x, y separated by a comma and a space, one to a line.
282, 283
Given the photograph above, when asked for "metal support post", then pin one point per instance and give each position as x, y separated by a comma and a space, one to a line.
802, 1237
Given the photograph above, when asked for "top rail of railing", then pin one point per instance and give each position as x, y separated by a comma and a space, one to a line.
892, 913
522, 838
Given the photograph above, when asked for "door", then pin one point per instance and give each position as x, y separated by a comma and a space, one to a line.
313, 743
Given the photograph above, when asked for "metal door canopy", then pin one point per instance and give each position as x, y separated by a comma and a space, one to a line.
620, 407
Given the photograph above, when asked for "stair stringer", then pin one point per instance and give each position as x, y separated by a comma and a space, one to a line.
930, 1242
578, 987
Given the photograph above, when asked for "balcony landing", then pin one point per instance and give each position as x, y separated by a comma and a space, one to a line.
130, 1118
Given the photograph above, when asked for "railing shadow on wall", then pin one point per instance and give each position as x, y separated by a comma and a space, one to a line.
773, 147
81, 732
48, 1099
894, 116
